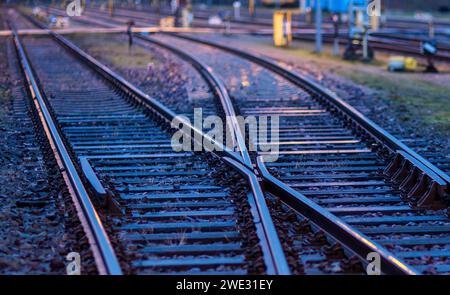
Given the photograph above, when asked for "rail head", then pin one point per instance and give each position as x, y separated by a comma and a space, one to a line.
275, 257
104, 253
273, 251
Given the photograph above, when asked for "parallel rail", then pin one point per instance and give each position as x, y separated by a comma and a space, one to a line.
357, 242
277, 256
277, 259
274, 257
103, 251
413, 170
408, 160
439, 181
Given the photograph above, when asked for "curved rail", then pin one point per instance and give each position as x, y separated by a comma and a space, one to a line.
331, 224
439, 180
217, 85
346, 235
273, 252
245, 166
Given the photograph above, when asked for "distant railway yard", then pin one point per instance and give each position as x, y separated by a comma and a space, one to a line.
186, 139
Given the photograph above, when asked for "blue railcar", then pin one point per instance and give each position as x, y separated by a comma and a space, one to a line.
340, 6
334, 6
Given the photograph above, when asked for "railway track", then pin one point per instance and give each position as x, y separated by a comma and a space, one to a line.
387, 42
314, 141
262, 19
263, 16
371, 189
172, 211
299, 21
330, 164
38, 216
324, 159
183, 190
434, 155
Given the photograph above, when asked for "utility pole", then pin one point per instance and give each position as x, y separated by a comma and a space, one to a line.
111, 7
302, 5
430, 28
350, 19
318, 27
336, 21
251, 7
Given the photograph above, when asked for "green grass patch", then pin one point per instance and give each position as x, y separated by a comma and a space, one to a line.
414, 98
411, 95
115, 52
305, 50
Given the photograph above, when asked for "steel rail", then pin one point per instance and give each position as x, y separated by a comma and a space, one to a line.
349, 237
378, 134
355, 241
328, 222
219, 88
277, 259
274, 256
106, 259
334, 226
265, 227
